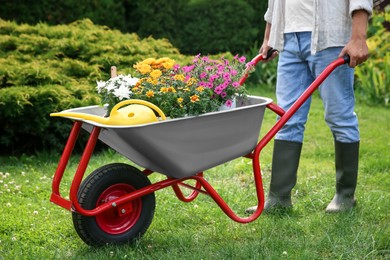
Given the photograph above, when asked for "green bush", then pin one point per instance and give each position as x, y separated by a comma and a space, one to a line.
45, 69
108, 12
373, 76
226, 25
217, 26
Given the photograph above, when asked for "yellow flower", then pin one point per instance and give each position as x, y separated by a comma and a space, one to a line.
179, 77
150, 94
152, 81
149, 61
155, 74
200, 89
180, 100
191, 81
143, 68
135, 89
168, 64
171, 89
164, 90
194, 98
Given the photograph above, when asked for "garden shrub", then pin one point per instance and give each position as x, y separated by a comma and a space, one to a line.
217, 26
107, 12
45, 69
373, 76
158, 18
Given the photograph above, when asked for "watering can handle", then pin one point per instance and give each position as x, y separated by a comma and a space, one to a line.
141, 102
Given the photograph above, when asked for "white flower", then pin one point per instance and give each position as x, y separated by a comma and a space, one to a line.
132, 81
110, 85
122, 92
100, 85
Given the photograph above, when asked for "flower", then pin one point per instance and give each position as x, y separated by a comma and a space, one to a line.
200, 87
116, 89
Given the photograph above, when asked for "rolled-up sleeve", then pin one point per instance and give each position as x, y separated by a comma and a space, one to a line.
269, 12
355, 5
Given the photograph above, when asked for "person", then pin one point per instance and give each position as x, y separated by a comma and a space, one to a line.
309, 35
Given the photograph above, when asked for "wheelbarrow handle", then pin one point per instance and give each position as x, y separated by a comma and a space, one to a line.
254, 62
347, 59
260, 57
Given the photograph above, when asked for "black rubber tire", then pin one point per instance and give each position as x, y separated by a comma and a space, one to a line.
94, 186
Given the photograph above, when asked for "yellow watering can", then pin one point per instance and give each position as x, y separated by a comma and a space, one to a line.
139, 113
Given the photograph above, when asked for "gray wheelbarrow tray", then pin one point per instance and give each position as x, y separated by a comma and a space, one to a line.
183, 147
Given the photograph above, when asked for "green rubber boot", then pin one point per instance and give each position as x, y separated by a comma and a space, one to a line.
285, 161
346, 160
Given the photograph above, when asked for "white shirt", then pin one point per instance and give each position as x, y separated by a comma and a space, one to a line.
299, 16
332, 22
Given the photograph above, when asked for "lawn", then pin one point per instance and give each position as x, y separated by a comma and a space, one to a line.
33, 228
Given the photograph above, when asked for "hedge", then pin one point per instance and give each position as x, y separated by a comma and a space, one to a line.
45, 68
191, 25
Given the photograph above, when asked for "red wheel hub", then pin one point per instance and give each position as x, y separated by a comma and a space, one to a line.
116, 220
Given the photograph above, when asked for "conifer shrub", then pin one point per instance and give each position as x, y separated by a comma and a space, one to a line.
46, 69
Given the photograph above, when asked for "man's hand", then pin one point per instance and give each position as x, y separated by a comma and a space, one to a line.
357, 48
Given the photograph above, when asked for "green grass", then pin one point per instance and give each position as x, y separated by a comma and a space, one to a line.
33, 228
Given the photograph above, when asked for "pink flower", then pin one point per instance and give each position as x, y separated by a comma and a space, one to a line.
250, 64
213, 77
228, 103
195, 60
203, 75
226, 76
235, 84
176, 67
218, 90
188, 69
242, 59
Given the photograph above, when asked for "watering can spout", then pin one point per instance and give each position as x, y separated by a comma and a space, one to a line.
138, 112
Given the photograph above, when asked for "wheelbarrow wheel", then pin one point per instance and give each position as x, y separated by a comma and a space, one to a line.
123, 224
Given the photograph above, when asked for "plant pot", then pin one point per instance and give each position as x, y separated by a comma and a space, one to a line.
225, 107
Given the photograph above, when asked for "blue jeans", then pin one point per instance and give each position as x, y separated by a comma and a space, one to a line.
297, 69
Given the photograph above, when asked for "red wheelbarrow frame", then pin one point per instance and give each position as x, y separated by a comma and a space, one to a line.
201, 185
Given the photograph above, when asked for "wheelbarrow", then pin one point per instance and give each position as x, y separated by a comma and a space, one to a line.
115, 203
